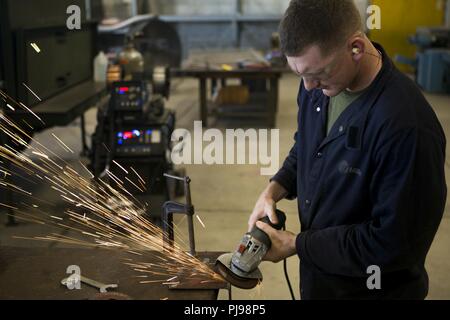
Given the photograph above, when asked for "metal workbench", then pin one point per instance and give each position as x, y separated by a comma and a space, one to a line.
59, 110
206, 66
36, 274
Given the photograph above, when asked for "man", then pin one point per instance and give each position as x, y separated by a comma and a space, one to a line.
367, 167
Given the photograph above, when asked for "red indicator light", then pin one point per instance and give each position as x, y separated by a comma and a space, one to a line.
124, 89
128, 135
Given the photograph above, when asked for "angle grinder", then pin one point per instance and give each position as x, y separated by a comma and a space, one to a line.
241, 267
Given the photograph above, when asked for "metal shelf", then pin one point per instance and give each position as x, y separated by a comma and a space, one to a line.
220, 18
233, 28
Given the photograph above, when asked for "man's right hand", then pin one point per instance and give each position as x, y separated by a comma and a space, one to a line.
266, 204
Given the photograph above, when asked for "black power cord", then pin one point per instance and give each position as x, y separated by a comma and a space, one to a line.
287, 275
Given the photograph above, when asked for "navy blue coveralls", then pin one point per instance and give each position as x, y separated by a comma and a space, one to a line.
372, 192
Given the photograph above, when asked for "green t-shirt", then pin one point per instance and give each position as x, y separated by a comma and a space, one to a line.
338, 104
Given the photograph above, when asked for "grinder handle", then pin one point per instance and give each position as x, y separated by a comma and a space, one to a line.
261, 235
281, 220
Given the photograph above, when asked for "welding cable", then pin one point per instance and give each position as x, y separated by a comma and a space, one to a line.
287, 275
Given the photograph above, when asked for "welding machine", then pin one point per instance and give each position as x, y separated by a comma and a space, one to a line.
132, 143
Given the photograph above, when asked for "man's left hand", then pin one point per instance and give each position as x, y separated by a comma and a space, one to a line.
283, 243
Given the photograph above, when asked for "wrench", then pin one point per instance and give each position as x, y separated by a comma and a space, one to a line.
103, 287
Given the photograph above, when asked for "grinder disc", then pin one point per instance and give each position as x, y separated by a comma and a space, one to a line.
236, 277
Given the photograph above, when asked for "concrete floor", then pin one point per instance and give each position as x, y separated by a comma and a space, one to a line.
224, 196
